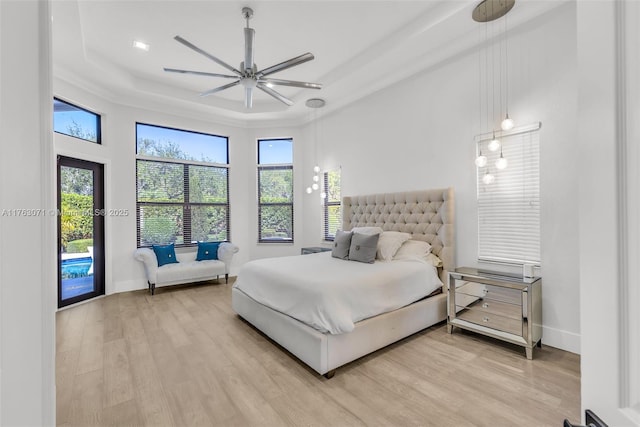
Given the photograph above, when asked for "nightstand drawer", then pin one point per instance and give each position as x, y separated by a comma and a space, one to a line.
496, 293
512, 311
490, 320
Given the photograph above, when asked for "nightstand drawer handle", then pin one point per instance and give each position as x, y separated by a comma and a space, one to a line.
485, 319
485, 305
486, 291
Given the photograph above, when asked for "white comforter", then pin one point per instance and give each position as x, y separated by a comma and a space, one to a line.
331, 294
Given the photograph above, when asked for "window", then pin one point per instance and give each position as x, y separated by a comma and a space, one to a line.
509, 207
332, 209
275, 190
71, 120
182, 186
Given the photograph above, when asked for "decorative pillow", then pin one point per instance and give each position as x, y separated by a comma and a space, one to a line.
413, 249
434, 260
389, 243
207, 251
367, 230
341, 244
166, 254
363, 247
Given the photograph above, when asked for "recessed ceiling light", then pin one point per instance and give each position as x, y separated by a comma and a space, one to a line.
141, 45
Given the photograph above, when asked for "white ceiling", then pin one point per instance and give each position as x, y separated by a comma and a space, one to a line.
359, 47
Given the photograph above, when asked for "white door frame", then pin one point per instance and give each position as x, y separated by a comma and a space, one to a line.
608, 101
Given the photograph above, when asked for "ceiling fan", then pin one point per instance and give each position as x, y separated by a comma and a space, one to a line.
248, 75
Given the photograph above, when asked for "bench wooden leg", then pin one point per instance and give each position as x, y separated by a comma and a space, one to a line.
153, 289
226, 278
330, 374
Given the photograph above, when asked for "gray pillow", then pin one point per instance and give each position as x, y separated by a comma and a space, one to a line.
341, 244
363, 247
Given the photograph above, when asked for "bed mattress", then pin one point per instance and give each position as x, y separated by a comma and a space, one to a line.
331, 294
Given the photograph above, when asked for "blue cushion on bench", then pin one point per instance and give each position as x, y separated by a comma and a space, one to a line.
207, 251
166, 254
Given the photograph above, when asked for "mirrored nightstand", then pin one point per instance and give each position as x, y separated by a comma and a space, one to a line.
503, 306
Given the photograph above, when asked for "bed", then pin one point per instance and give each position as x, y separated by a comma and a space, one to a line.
427, 215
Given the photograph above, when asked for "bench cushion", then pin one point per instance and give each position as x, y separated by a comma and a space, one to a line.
189, 271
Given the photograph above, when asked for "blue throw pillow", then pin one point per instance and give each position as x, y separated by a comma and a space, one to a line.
207, 251
166, 254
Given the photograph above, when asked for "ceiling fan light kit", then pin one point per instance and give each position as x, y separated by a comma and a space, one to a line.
248, 75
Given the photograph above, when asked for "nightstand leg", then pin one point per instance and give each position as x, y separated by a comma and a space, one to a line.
450, 329
529, 351
539, 344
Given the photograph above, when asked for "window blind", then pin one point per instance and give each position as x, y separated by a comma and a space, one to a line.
509, 207
181, 203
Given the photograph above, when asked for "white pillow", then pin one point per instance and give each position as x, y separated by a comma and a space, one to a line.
367, 230
389, 243
413, 249
434, 260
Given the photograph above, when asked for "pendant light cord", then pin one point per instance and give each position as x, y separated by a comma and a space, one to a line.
506, 61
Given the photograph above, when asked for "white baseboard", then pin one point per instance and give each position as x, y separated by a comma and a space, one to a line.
558, 338
128, 285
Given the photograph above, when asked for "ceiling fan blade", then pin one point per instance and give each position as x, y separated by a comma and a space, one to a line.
199, 73
286, 64
275, 94
218, 89
248, 97
249, 36
208, 55
293, 83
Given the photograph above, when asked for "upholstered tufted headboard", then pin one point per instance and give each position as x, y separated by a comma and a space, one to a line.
428, 215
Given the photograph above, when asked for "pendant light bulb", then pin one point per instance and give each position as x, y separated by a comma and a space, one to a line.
323, 195
494, 144
507, 123
315, 186
316, 178
481, 161
488, 178
501, 163
309, 190
316, 168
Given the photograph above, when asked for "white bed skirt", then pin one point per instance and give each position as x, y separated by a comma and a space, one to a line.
326, 352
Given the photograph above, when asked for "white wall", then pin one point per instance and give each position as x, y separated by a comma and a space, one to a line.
419, 134
27, 249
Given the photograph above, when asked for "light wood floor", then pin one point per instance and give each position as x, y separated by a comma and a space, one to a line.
184, 358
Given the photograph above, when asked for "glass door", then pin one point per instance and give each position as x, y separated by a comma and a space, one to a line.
80, 230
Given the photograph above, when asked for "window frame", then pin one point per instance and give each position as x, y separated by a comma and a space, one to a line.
274, 166
328, 203
185, 204
93, 113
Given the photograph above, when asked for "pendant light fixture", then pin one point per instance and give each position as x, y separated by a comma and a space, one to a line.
488, 178
481, 160
507, 123
485, 12
315, 103
494, 144
501, 163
